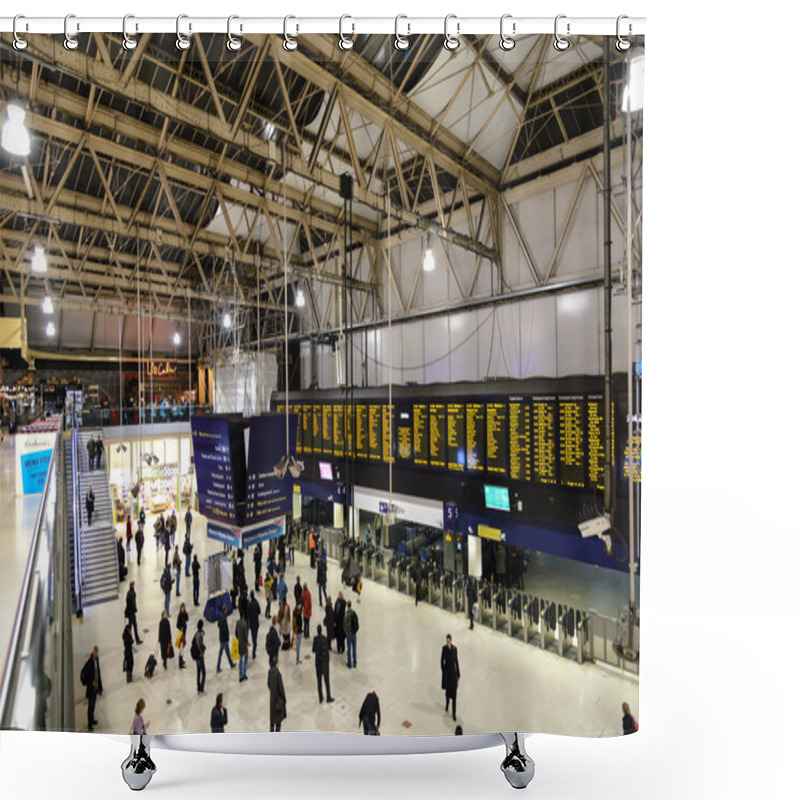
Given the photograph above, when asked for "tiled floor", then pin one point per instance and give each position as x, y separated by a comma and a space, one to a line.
505, 683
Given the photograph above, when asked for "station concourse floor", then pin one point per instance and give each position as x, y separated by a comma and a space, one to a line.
505, 684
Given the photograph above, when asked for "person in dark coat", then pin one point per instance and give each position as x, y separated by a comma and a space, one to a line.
321, 653
196, 581
93, 681
338, 615
98, 456
164, 637
139, 539
451, 674
131, 609
200, 661
298, 592
629, 724
253, 618
224, 638
127, 644
122, 570
258, 554
274, 639
277, 697
370, 714
244, 602
219, 715
330, 622
322, 580
472, 598
166, 587
89, 506
183, 626
188, 520
91, 451
187, 553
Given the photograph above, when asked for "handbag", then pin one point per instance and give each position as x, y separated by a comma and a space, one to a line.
179, 639
235, 649
124, 664
170, 651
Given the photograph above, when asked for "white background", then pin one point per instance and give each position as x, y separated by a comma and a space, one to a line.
719, 701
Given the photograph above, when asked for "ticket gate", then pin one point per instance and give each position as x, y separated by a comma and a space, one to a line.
530, 617
514, 615
547, 622
434, 580
484, 600
499, 608
393, 572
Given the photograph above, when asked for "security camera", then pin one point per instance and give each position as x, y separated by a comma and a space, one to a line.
595, 527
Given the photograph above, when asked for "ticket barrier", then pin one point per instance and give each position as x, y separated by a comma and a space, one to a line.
484, 600
404, 576
582, 636
499, 608
458, 597
530, 617
547, 622
566, 629
514, 615
434, 578
393, 572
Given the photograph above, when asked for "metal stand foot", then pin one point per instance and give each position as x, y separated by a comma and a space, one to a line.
138, 768
517, 766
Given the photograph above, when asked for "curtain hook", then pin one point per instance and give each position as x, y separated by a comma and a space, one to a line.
451, 43
401, 42
183, 42
289, 43
507, 42
128, 41
234, 44
622, 44
19, 43
559, 42
345, 42
70, 42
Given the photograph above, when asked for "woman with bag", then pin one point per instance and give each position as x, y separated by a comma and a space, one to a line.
629, 723
165, 638
297, 628
139, 727
127, 643
182, 624
285, 623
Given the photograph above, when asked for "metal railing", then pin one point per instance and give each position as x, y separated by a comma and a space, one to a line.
77, 606
105, 417
37, 690
601, 634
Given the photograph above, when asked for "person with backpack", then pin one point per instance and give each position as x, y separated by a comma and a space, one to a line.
321, 652
131, 609
176, 565
166, 587
91, 450
182, 625
277, 697
196, 581
629, 723
139, 539
164, 638
165, 541
224, 638
197, 652
253, 619
370, 714
93, 681
350, 631
89, 506
187, 552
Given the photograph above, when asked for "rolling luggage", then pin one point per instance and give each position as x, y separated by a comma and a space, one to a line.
150, 666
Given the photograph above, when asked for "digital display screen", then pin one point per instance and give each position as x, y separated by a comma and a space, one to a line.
308, 430
456, 438
327, 430
496, 437
338, 430
544, 440
476, 436
437, 435
404, 429
595, 439
570, 441
362, 422
387, 414
317, 428
374, 432
326, 470
420, 414
519, 439
496, 497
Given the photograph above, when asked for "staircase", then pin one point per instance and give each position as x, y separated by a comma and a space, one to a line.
98, 550
69, 488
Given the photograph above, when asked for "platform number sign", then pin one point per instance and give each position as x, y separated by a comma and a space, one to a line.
450, 515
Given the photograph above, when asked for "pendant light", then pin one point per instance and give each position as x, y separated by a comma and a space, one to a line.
15, 138
39, 260
226, 320
429, 262
176, 338
300, 299
50, 330
47, 304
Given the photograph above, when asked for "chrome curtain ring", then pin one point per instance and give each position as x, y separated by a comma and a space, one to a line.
19, 43
622, 44
128, 41
289, 42
450, 42
233, 44
401, 42
182, 42
507, 42
559, 42
70, 42
345, 42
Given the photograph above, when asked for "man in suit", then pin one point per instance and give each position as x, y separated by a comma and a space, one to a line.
370, 715
253, 618
131, 609
322, 664
451, 674
93, 681
277, 697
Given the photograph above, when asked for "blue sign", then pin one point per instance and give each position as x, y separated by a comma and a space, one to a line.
212, 463
223, 533
260, 533
451, 516
34, 471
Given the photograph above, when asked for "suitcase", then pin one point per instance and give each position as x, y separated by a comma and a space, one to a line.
150, 666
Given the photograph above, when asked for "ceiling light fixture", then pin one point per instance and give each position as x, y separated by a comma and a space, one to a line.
50, 330
226, 321
300, 300
633, 94
176, 338
429, 262
15, 138
47, 305
39, 260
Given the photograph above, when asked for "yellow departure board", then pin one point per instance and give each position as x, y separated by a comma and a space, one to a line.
308, 432
476, 436
437, 435
374, 433
338, 430
456, 439
387, 414
405, 432
519, 439
349, 417
633, 459
421, 438
327, 429
362, 424
317, 428
595, 439
544, 440
571, 440
496, 437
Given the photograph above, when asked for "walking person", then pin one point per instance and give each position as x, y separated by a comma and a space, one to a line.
188, 522
257, 556
338, 615
285, 624
321, 651
298, 592
283, 590
370, 714
139, 539
297, 629
196, 581
219, 715
224, 638
312, 548
451, 674
472, 601
183, 626
187, 553
277, 697
166, 587
131, 609
330, 622
165, 541
173, 527
93, 681
176, 565
241, 636
291, 547
164, 638
127, 659
139, 727
253, 619
128, 537
322, 581
91, 449
350, 631
306, 610
89, 506
122, 570
98, 456
198, 653
274, 640
629, 723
